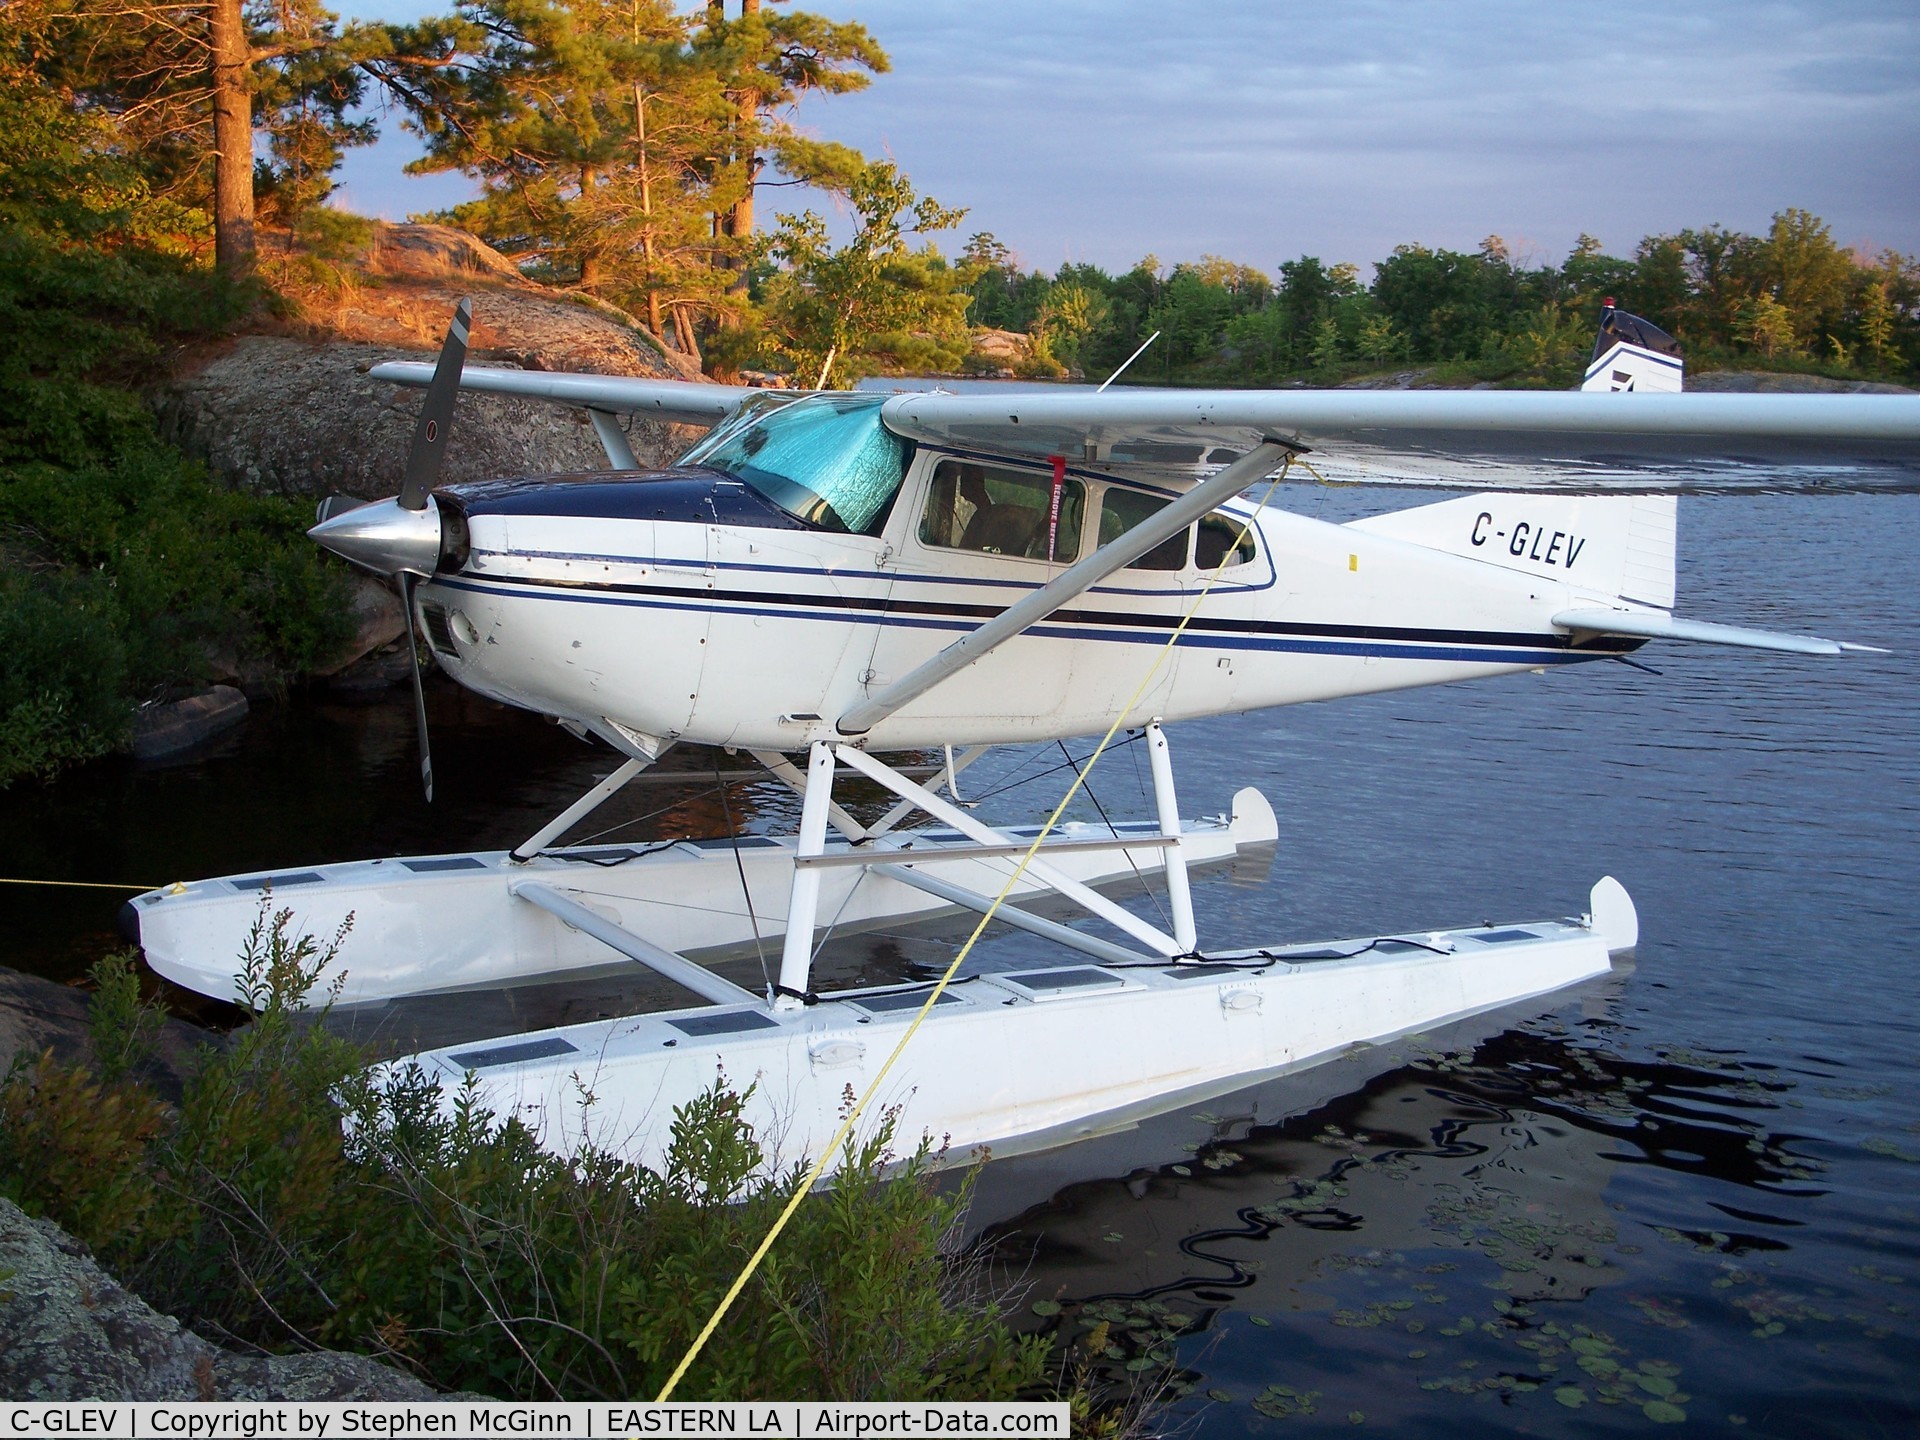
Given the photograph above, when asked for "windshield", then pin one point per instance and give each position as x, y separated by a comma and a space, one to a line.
826, 459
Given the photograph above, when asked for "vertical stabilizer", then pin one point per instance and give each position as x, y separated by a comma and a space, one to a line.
1621, 546
1633, 354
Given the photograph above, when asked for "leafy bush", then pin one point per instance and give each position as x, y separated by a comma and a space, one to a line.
446, 1240
128, 577
84, 327
62, 673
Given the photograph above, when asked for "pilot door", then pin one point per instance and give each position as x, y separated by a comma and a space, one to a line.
971, 538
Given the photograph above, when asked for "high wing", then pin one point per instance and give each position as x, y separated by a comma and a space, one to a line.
1469, 439
681, 401
1476, 439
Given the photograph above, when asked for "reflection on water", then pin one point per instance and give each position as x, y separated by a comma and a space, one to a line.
1688, 1199
1691, 1190
1494, 1236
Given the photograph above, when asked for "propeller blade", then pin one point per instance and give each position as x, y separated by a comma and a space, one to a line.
407, 583
436, 413
334, 505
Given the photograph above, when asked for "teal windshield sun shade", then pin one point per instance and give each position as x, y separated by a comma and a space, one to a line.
826, 459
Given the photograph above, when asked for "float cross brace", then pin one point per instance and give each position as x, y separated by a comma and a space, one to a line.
796, 961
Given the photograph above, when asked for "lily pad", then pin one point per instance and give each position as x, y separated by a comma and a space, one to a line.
1663, 1412
1046, 1307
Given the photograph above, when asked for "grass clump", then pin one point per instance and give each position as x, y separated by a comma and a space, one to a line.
293, 1198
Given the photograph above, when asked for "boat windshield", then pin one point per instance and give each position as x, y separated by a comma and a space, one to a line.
826, 460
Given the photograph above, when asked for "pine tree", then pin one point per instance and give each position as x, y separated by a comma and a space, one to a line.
186, 82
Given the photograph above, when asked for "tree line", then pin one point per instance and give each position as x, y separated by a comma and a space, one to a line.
1791, 297
622, 148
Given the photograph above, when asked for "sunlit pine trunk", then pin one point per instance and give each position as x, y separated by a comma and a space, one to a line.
683, 332
233, 244
747, 122
646, 213
589, 261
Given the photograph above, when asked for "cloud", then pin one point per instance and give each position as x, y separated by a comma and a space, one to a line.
1105, 130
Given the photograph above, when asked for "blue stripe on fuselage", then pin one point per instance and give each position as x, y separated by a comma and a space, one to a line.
1547, 654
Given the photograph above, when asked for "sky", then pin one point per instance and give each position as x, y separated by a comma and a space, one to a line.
1104, 130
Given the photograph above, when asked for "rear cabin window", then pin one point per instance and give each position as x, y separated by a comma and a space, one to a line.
1219, 539
1121, 510
994, 511
1216, 538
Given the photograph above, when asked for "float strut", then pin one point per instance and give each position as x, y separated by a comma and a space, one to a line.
1037, 868
783, 769
803, 903
677, 968
576, 812
1101, 950
1179, 896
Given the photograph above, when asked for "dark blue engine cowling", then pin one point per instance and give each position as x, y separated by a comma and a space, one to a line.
689, 495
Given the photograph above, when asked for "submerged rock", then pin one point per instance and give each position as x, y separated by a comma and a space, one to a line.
173, 728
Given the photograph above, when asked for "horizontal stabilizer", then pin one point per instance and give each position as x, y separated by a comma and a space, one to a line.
1654, 626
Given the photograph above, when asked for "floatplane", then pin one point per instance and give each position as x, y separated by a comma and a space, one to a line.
829, 581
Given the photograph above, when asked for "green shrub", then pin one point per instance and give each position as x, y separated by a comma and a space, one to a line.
84, 327
157, 569
447, 1240
334, 234
123, 569
62, 672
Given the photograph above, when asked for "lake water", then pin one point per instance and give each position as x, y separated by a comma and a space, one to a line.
1689, 1196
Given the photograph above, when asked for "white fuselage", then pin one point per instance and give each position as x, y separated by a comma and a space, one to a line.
732, 634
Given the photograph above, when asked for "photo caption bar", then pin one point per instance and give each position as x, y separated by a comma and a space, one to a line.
597, 1420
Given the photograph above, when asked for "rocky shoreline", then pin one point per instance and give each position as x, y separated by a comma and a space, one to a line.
70, 1331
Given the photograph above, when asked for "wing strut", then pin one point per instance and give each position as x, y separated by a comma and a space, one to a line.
1074, 581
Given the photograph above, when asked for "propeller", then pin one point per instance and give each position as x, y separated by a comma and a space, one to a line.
424, 459
436, 414
407, 583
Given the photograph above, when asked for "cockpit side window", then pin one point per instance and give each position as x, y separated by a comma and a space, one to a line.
998, 511
826, 460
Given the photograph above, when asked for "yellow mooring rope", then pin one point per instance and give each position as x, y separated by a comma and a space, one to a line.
853, 1116
78, 884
